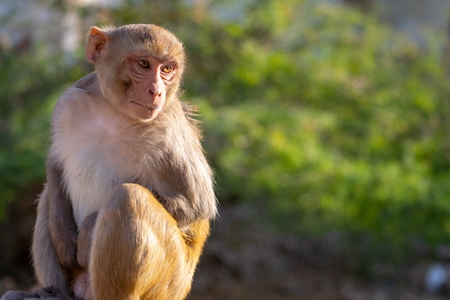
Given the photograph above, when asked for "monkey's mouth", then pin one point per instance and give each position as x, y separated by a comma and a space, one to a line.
149, 107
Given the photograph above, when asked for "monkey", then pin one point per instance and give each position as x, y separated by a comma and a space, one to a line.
129, 196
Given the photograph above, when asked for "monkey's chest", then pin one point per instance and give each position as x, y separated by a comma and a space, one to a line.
99, 156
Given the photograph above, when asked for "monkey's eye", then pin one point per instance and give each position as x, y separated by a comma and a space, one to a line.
143, 64
167, 69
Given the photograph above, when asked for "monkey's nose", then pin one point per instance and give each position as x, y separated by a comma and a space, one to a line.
155, 89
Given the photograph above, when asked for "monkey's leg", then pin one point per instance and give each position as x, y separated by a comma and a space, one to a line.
138, 251
46, 266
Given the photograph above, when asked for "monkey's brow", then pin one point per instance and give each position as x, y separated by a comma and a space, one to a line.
168, 54
165, 57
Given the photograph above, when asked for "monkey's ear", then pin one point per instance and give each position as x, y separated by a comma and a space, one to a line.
96, 42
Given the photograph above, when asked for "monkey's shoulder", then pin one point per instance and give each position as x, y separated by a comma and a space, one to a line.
84, 89
79, 101
89, 84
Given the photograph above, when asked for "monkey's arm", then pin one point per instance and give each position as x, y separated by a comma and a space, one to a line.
62, 226
186, 188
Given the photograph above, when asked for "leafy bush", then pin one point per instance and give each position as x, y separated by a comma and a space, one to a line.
31, 84
331, 122
317, 113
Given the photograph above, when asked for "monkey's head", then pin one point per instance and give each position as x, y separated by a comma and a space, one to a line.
139, 67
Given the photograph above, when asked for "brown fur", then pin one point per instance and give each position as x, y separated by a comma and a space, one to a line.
128, 185
173, 254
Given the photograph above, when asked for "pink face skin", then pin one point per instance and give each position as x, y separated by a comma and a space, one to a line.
146, 78
149, 79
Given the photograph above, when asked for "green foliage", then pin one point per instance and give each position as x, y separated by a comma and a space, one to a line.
31, 84
337, 123
315, 112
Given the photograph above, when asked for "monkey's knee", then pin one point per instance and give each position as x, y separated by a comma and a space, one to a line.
120, 218
121, 240
136, 201
129, 192
132, 217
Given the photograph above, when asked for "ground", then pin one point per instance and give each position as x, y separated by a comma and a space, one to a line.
243, 261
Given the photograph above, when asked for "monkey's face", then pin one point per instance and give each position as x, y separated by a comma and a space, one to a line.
139, 67
147, 80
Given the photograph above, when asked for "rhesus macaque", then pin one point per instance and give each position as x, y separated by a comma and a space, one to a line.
129, 194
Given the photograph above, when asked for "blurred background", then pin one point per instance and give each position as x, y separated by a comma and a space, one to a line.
326, 123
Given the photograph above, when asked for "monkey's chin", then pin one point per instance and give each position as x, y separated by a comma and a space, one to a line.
142, 112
